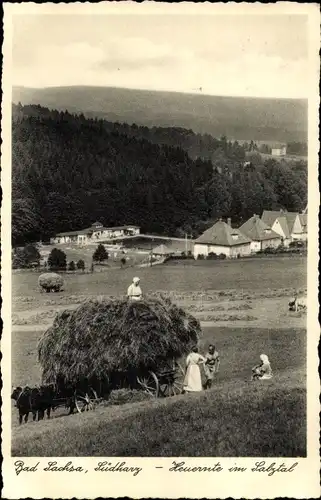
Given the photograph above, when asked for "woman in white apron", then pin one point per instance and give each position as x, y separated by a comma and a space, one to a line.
193, 380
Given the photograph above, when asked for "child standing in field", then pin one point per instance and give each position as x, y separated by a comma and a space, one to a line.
211, 365
193, 380
263, 371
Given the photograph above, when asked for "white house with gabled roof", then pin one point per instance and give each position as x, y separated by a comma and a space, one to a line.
222, 239
261, 235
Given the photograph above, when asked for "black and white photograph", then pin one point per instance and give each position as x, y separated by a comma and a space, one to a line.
162, 229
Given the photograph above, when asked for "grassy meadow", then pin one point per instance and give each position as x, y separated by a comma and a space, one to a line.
242, 306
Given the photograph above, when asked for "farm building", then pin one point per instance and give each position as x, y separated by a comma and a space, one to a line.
222, 239
174, 247
278, 150
96, 232
261, 234
287, 224
162, 251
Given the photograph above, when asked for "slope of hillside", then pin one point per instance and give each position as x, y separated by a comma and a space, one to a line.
283, 120
68, 171
234, 419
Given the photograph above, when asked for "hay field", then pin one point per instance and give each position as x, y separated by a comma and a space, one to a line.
243, 310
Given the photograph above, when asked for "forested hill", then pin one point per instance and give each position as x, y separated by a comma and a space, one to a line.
69, 171
241, 118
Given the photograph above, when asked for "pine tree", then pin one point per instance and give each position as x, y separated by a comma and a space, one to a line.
57, 260
100, 254
71, 266
81, 264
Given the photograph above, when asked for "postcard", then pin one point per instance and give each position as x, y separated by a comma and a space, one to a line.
160, 250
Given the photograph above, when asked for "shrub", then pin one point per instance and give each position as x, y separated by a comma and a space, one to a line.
32, 255
18, 259
222, 256
212, 256
123, 261
100, 254
71, 266
50, 282
200, 256
57, 260
28, 256
81, 264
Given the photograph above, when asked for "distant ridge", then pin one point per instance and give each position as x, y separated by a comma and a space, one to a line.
241, 118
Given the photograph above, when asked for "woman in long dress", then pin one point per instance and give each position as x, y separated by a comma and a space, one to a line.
263, 371
193, 380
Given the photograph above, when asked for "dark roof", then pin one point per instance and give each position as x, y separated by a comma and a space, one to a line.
221, 234
75, 233
257, 230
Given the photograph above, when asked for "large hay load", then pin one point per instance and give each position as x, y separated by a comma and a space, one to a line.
102, 339
50, 282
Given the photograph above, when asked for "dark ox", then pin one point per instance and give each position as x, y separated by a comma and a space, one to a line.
37, 401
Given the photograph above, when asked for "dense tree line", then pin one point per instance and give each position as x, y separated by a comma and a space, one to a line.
69, 171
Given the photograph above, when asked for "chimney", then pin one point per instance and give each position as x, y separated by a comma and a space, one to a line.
229, 221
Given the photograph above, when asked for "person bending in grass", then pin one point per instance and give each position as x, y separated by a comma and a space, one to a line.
263, 371
134, 292
211, 365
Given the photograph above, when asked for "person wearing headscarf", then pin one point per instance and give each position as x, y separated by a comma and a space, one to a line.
193, 380
134, 291
211, 365
263, 371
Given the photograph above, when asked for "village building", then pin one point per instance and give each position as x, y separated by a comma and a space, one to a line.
260, 234
174, 247
95, 233
287, 224
278, 150
304, 225
222, 239
162, 251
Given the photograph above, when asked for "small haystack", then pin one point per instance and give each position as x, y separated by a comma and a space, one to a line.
51, 282
106, 336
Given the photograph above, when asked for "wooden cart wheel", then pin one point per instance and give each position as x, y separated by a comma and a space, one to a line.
94, 399
172, 384
85, 401
149, 383
81, 402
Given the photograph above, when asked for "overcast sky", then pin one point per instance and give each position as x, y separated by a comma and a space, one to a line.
260, 56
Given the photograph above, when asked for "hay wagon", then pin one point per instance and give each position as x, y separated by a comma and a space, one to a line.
111, 344
164, 382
